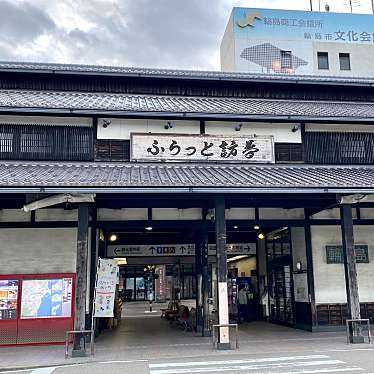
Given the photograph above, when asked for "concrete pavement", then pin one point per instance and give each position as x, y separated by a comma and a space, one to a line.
144, 339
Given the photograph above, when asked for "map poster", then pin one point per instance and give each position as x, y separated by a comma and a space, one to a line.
105, 289
46, 298
8, 299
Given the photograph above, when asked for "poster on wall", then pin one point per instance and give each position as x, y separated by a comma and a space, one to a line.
300, 281
160, 283
8, 299
105, 289
46, 298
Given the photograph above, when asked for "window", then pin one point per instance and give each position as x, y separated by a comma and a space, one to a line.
286, 59
323, 60
345, 62
45, 142
288, 152
6, 142
339, 147
112, 150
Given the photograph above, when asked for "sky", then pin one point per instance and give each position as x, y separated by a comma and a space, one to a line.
180, 34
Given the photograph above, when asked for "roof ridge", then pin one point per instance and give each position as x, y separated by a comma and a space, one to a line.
169, 72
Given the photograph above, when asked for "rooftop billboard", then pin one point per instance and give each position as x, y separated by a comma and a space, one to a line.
287, 41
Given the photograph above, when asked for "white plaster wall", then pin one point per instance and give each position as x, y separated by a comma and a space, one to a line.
240, 213
56, 215
279, 213
361, 58
14, 215
227, 48
30, 251
367, 213
331, 214
39, 120
298, 247
126, 214
122, 128
310, 127
159, 214
282, 132
329, 278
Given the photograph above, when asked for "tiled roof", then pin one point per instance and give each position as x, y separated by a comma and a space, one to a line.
210, 106
177, 176
173, 73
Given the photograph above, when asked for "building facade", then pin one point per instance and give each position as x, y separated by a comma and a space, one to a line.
187, 169
298, 43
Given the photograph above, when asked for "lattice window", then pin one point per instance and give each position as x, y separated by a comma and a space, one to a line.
339, 148
46, 142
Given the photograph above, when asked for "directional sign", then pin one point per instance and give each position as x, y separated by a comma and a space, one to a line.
175, 250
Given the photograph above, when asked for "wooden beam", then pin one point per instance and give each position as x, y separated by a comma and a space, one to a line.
351, 283
223, 307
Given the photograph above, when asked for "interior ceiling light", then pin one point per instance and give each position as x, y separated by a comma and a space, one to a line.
149, 228
113, 238
236, 227
256, 227
237, 258
261, 236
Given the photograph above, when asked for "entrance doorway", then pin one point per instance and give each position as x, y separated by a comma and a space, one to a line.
280, 284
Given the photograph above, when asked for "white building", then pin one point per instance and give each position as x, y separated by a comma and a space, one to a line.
298, 43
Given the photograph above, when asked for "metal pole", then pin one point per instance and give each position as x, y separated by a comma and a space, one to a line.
311, 5
372, 6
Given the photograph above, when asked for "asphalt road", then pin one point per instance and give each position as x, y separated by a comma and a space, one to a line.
348, 360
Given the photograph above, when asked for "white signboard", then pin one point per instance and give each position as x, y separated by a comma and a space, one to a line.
161, 147
107, 274
175, 250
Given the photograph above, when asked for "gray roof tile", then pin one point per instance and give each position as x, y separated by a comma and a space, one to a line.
53, 174
173, 73
26, 100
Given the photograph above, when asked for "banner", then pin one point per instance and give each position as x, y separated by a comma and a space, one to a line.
160, 283
105, 289
175, 250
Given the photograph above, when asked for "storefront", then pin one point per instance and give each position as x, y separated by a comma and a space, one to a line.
192, 180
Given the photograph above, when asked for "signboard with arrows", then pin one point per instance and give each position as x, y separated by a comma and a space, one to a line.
165, 250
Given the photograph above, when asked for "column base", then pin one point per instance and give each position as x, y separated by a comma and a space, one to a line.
223, 346
356, 339
78, 353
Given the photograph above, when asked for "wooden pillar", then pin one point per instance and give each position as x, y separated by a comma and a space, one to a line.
199, 281
205, 281
310, 269
93, 260
351, 284
223, 308
81, 275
